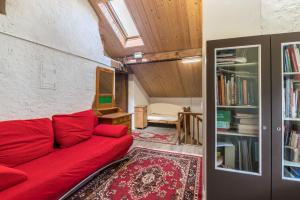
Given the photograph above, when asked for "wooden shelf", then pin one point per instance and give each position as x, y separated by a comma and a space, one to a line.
291, 164
224, 144
291, 73
232, 133
292, 119
244, 106
239, 65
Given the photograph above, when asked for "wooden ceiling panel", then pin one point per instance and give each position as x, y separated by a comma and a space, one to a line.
164, 25
170, 79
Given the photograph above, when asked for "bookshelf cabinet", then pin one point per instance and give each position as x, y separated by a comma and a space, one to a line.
253, 117
285, 116
238, 120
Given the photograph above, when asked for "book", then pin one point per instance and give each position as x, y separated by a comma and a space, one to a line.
246, 116
248, 131
297, 54
223, 120
250, 121
245, 93
293, 59
291, 154
222, 89
229, 158
223, 60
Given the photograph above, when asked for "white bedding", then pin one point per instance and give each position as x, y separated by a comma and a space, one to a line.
162, 118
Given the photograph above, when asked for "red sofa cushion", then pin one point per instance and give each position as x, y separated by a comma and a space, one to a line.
111, 130
73, 128
51, 176
91, 113
24, 140
10, 177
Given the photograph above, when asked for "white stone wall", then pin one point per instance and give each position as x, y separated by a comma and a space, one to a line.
238, 18
62, 39
136, 95
195, 103
280, 16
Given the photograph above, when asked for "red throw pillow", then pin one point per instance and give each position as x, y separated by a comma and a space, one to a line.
111, 130
25, 140
73, 128
10, 177
90, 113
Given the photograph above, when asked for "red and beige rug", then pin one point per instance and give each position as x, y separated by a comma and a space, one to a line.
147, 174
156, 134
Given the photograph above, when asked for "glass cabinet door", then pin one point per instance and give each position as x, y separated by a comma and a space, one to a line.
290, 69
238, 109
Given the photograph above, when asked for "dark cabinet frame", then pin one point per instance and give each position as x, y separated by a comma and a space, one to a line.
230, 185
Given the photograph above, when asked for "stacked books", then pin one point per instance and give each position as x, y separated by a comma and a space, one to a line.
292, 98
291, 58
223, 120
228, 57
247, 123
235, 90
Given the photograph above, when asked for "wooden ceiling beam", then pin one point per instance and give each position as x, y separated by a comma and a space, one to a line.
163, 56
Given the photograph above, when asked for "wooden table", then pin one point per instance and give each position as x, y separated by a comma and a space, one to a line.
117, 118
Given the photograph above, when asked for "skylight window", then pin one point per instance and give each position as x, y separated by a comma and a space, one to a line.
118, 16
124, 17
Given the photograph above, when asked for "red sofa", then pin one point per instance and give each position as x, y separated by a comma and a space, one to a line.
51, 172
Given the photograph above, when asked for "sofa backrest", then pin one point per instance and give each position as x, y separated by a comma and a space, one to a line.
164, 109
25, 140
71, 129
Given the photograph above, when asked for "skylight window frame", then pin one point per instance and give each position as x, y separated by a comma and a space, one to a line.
119, 23
115, 23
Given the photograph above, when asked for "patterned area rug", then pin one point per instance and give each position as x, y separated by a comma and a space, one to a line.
165, 135
147, 174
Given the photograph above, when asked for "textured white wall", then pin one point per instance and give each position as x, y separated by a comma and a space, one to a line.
239, 18
195, 102
231, 18
70, 29
136, 94
69, 25
280, 16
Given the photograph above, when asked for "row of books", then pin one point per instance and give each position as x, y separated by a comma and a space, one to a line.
243, 154
234, 90
292, 58
291, 98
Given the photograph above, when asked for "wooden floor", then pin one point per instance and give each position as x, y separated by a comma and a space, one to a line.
189, 149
